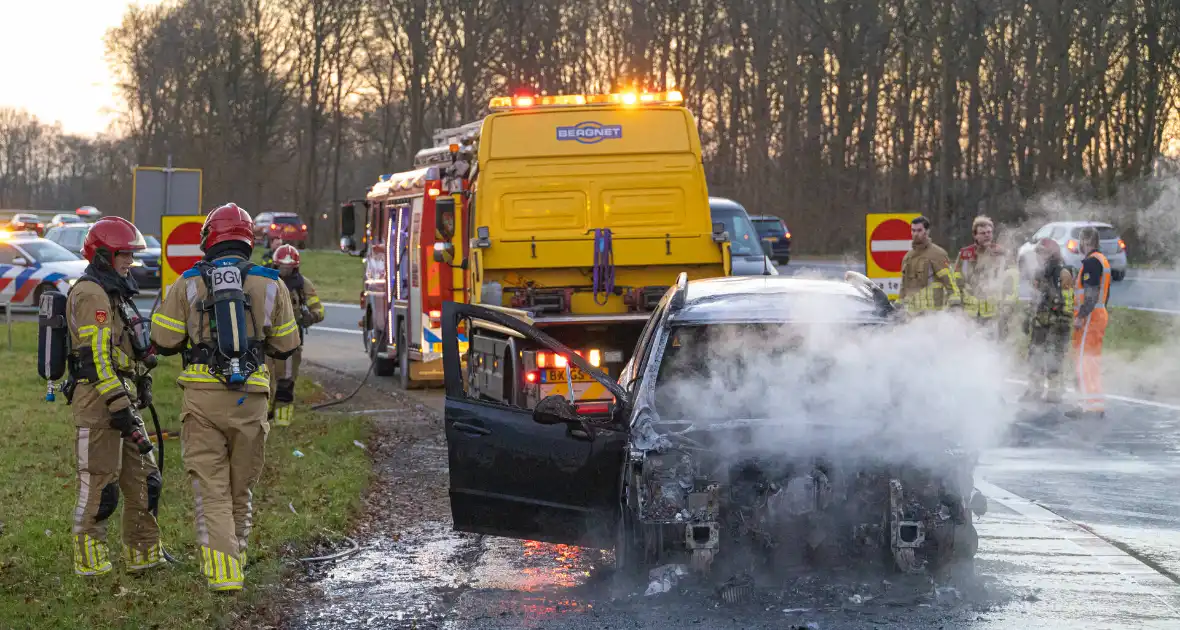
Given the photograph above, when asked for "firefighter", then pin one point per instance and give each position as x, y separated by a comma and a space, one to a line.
1048, 323
268, 256
224, 314
1091, 293
990, 285
927, 283
308, 310
110, 348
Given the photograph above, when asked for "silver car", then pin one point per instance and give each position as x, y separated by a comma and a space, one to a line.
745, 245
1068, 236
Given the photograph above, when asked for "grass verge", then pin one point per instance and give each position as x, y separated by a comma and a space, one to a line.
338, 277
297, 501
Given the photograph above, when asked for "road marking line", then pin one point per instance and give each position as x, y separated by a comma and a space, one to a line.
1166, 311
348, 331
341, 305
1043, 517
1126, 399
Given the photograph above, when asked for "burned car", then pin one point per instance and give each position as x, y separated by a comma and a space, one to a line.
742, 428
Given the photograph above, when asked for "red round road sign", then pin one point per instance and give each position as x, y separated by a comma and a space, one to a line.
889, 243
183, 249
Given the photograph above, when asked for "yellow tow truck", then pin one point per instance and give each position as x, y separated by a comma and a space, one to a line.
576, 214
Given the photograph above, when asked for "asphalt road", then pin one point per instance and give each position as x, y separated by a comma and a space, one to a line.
1083, 531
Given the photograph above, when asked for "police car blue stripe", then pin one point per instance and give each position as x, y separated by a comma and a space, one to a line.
430, 336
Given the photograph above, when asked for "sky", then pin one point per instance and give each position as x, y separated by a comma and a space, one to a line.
54, 60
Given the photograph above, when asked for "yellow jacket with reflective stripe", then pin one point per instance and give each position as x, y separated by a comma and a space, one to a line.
987, 280
98, 335
178, 323
927, 283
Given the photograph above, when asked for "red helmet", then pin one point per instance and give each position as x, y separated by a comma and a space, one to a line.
286, 255
111, 236
227, 223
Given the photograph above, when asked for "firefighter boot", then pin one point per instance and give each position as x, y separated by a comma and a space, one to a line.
283, 414
144, 559
91, 556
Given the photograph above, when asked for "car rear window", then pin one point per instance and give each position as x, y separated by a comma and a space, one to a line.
769, 226
287, 220
1104, 233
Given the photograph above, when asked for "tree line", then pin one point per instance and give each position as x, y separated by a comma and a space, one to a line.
814, 110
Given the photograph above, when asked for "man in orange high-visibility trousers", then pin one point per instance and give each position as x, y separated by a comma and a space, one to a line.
1091, 293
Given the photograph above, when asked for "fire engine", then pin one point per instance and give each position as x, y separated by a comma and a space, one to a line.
404, 287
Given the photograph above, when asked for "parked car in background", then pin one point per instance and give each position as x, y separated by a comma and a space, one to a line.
1068, 236
773, 229
145, 269
69, 236
88, 213
748, 256
31, 265
61, 219
26, 222
285, 225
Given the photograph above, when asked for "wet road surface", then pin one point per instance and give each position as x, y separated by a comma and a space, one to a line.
1083, 531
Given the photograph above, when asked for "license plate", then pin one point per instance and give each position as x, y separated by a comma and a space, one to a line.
289, 228
557, 375
772, 239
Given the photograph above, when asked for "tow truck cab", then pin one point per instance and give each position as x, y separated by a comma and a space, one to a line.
581, 212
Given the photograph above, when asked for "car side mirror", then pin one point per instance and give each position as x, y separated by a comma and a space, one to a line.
444, 252
554, 409
719, 233
347, 219
444, 217
20, 261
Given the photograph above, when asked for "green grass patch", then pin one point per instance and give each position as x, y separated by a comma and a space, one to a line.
1133, 331
38, 588
338, 277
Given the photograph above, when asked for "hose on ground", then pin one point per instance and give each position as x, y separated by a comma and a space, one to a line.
359, 385
335, 556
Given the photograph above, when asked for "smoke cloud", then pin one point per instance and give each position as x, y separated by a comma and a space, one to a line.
906, 392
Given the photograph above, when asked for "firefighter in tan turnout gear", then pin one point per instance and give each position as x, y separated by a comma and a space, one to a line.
927, 283
989, 285
308, 309
110, 355
224, 314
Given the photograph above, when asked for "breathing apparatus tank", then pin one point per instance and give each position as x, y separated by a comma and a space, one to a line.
53, 339
232, 358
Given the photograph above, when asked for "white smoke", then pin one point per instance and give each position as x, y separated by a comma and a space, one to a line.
907, 392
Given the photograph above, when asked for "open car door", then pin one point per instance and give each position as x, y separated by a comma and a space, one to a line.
542, 474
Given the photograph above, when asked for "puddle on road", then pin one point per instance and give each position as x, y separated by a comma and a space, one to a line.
389, 581
416, 579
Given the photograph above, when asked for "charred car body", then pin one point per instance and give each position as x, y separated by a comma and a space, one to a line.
665, 482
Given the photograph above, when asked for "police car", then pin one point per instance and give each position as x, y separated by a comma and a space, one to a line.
31, 265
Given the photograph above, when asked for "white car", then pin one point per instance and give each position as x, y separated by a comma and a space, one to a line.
31, 265
1067, 234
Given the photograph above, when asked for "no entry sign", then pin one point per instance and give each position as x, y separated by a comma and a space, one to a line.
181, 246
887, 239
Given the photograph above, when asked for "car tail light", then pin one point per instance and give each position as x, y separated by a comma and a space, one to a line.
593, 408
530, 377
305, 226
1122, 245
1072, 246
552, 359
274, 226
787, 234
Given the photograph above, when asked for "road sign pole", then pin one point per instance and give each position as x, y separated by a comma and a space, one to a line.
168, 186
